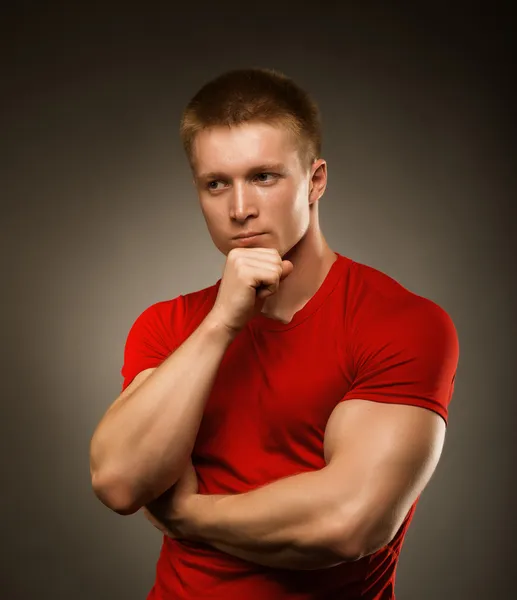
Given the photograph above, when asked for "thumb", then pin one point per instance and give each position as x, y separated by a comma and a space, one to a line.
263, 291
287, 269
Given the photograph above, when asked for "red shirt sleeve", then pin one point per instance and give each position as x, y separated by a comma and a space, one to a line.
408, 357
151, 338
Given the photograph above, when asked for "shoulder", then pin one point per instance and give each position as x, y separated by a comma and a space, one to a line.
403, 347
174, 314
370, 285
381, 308
380, 296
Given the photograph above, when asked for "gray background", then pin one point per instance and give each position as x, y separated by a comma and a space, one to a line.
99, 220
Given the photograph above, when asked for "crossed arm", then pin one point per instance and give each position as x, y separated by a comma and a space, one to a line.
379, 458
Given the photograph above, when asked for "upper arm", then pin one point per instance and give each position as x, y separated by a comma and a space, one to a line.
384, 439
380, 458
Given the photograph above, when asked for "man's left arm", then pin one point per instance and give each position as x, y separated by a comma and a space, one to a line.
379, 456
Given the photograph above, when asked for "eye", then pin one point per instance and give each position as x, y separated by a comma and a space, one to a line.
210, 187
213, 188
263, 180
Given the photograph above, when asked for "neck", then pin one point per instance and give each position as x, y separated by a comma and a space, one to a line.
312, 259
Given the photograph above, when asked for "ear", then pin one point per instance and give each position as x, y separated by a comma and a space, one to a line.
318, 182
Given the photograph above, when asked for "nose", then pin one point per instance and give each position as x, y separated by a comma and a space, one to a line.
242, 203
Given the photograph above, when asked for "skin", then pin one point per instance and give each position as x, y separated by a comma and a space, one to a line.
379, 457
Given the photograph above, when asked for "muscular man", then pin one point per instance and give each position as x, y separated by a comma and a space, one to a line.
280, 425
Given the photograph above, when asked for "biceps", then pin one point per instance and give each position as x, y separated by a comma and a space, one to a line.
383, 457
396, 481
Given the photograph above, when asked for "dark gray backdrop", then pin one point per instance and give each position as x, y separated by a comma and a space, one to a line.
99, 220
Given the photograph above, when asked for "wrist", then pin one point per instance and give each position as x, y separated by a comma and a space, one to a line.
215, 328
193, 514
198, 516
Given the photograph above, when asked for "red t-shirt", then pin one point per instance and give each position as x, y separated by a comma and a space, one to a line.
362, 335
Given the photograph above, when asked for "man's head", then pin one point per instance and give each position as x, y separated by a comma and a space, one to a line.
253, 140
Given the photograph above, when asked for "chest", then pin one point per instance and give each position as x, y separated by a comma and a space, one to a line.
273, 395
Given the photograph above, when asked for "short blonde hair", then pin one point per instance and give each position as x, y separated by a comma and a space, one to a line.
254, 95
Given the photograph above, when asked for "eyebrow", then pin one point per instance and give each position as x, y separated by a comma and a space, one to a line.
257, 169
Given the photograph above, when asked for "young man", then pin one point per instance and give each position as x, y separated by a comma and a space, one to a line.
278, 426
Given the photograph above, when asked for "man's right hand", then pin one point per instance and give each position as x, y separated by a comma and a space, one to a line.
250, 276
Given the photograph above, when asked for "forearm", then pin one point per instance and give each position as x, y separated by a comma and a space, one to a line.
282, 558
141, 446
299, 513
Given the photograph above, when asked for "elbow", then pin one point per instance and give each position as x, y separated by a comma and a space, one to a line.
349, 552
357, 549
116, 495
353, 544
126, 497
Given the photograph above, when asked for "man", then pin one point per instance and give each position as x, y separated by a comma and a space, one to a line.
279, 426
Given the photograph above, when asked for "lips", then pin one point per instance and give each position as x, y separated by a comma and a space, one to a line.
247, 235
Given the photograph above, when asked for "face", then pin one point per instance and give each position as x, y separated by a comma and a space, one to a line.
250, 178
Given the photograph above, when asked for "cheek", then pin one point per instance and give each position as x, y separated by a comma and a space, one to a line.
213, 226
212, 216
299, 203
300, 214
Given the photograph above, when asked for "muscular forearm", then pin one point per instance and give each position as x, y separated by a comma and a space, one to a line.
300, 511
290, 523
281, 558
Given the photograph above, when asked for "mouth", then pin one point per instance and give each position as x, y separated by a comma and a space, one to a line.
247, 236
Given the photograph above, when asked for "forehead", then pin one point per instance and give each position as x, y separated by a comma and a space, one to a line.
242, 147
